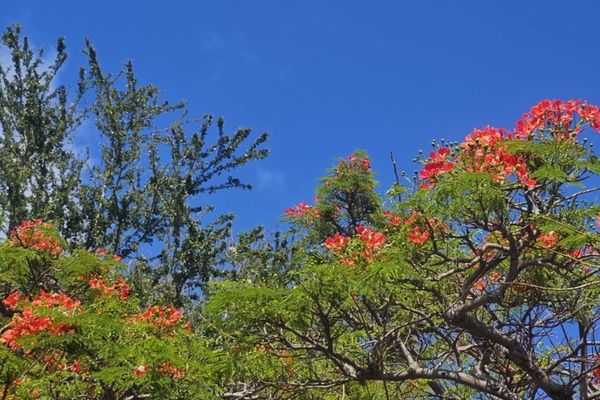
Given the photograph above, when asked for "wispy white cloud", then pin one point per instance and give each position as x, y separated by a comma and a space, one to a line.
268, 179
227, 53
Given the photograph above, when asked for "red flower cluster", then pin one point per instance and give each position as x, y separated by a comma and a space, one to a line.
75, 367
370, 238
140, 371
104, 252
371, 241
336, 243
393, 219
548, 240
302, 210
348, 262
416, 233
31, 234
418, 237
24, 324
50, 300
11, 300
362, 161
596, 371
584, 252
479, 285
101, 252
558, 114
160, 316
438, 164
52, 359
28, 322
482, 283
481, 152
121, 288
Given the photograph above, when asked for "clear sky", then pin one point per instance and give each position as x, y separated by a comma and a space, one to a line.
327, 77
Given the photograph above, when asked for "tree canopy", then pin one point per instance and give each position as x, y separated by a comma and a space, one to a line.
143, 185
476, 278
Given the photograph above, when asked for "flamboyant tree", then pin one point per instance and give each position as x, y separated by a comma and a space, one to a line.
73, 328
140, 189
481, 281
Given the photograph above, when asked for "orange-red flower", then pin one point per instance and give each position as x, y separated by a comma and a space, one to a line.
32, 234
140, 371
373, 242
24, 324
159, 316
336, 243
479, 285
596, 371
372, 239
75, 367
482, 152
121, 288
45, 299
548, 240
494, 276
348, 262
438, 164
11, 300
393, 219
101, 252
302, 210
28, 322
362, 161
418, 237
558, 114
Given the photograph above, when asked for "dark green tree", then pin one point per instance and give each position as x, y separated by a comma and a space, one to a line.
141, 193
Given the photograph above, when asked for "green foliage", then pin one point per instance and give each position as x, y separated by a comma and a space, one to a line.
346, 197
483, 284
481, 281
141, 189
99, 342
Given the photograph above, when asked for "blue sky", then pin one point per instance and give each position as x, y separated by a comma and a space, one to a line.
327, 77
